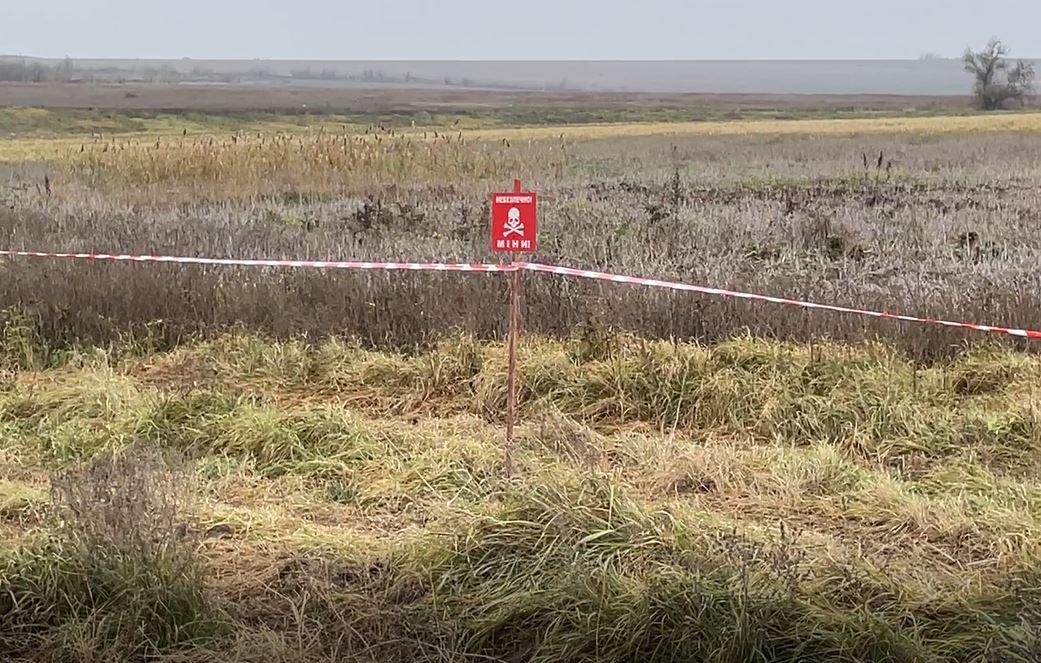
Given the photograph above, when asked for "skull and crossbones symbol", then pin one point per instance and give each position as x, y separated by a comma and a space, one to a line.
514, 226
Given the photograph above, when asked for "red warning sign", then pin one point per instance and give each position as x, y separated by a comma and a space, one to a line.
515, 222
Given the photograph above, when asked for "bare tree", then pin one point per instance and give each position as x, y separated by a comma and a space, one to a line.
997, 82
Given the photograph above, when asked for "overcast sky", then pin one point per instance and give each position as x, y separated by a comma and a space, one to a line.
494, 29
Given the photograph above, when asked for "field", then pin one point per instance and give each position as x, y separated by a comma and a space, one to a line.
252, 465
923, 77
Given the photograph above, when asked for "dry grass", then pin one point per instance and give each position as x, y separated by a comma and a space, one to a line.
827, 127
323, 163
838, 499
674, 501
117, 576
32, 149
947, 227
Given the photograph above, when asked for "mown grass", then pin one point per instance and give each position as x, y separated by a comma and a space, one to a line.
752, 500
820, 127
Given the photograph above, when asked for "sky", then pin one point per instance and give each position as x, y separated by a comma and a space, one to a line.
530, 30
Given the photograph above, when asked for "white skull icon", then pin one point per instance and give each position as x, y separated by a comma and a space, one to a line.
513, 223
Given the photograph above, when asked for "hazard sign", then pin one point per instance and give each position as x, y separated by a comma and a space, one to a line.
514, 222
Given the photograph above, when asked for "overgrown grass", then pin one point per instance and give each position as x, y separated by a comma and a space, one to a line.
316, 163
871, 399
616, 582
935, 225
751, 500
118, 577
343, 493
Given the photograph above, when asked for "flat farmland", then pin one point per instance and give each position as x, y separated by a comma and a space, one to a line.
202, 463
229, 98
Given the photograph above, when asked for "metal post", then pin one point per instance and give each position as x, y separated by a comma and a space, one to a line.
511, 345
511, 375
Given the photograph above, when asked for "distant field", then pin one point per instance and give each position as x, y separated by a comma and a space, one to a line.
43, 134
926, 125
933, 76
387, 99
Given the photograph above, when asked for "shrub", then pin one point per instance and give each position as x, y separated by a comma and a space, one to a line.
121, 576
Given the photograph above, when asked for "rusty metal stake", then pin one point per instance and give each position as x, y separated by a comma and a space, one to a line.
511, 345
511, 375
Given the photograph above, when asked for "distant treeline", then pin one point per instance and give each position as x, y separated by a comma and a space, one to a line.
25, 71
32, 70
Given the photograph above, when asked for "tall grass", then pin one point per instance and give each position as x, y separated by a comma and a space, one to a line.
947, 229
582, 573
120, 578
750, 500
318, 163
692, 491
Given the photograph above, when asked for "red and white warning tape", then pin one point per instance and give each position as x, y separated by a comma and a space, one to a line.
655, 283
530, 267
235, 262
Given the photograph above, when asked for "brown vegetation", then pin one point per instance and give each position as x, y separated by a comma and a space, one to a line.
944, 226
728, 499
231, 98
750, 500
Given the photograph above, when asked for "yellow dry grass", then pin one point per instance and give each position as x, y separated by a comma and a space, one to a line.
827, 478
45, 149
828, 127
